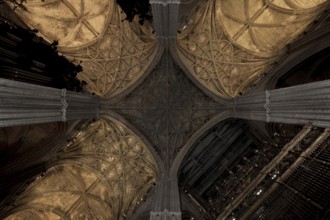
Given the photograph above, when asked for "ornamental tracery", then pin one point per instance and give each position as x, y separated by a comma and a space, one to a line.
266, 26
167, 108
74, 23
228, 45
114, 54
100, 56
119, 59
101, 174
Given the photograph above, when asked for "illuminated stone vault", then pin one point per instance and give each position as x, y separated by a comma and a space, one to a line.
151, 110
114, 54
102, 174
228, 45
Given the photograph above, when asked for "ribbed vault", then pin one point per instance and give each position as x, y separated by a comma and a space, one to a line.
114, 54
24, 151
102, 174
167, 108
228, 45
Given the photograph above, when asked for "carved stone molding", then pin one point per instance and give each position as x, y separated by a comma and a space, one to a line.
165, 2
164, 215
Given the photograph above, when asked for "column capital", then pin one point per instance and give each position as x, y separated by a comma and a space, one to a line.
165, 2
266, 106
165, 215
64, 105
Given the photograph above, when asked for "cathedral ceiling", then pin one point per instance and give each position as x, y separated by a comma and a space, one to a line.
114, 54
225, 45
29, 135
228, 45
167, 108
102, 174
23, 149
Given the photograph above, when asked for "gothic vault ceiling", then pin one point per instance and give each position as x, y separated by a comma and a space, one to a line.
167, 108
114, 54
102, 174
228, 45
18, 160
225, 46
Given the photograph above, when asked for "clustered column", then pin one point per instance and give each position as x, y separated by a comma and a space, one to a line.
166, 201
165, 15
166, 204
302, 104
24, 103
